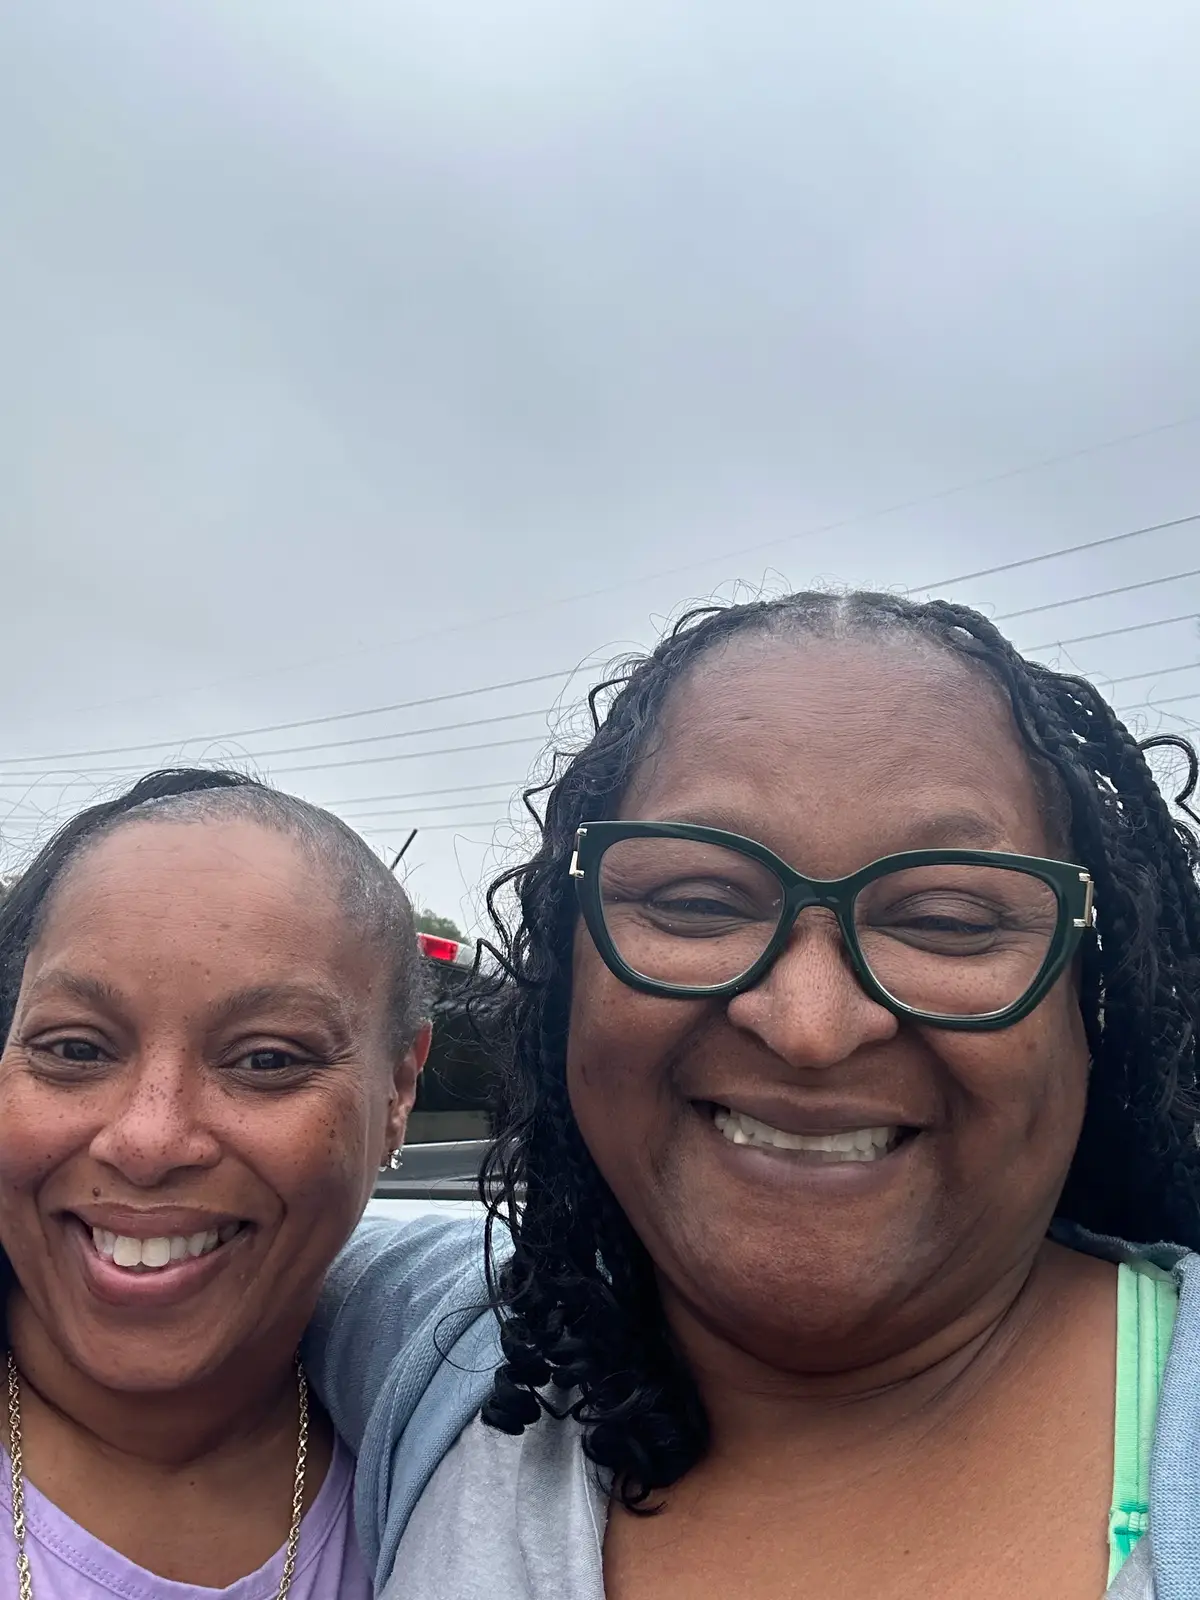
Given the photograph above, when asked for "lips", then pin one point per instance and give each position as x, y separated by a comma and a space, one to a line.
140, 1266
131, 1253
850, 1144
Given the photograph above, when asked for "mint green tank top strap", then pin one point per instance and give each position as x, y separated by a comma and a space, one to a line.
1147, 1300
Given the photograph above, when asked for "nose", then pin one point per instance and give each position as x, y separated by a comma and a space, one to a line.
156, 1126
810, 1010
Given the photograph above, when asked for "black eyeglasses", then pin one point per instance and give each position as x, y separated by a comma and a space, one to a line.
968, 939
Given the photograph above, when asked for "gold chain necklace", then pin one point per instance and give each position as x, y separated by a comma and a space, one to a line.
25, 1577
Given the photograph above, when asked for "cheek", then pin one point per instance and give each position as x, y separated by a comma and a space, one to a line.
318, 1155
621, 1045
1027, 1085
39, 1129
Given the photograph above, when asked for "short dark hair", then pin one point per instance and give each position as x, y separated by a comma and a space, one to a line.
578, 1299
372, 897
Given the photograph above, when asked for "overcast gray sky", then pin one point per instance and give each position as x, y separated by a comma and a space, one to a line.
359, 351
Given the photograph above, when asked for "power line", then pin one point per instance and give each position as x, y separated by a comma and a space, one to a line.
287, 727
1111, 633
539, 609
1163, 672
455, 805
29, 778
436, 827
409, 755
1156, 705
337, 744
71, 779
450, 805
417, 794
1054, 555
1100, 594
565, 673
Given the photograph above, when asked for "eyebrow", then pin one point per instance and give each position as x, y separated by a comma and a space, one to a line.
242, 1003
78, 986
957, 829
263, 996
964, 829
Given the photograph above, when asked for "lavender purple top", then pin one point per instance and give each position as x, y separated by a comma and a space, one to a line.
69, 1564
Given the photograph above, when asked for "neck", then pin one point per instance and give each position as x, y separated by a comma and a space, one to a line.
755, 1406
251, 1398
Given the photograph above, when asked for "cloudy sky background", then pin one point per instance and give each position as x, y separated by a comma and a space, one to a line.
363, 351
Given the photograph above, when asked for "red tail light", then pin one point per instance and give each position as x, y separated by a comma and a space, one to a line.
438, 949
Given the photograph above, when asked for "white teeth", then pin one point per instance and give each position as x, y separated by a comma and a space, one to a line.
856, 1144
161, 1251
127, 1252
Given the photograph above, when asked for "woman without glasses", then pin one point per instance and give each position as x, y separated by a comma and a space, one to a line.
211, 1004
857, 974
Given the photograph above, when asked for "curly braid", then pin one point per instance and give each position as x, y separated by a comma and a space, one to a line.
578, 1300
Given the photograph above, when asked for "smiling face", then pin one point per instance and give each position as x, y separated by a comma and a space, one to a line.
198, 1086
832, 754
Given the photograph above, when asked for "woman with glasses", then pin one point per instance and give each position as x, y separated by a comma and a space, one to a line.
855, 996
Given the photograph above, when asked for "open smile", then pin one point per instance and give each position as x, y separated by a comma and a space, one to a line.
126, 1269
826, 1147
851, 1144
160, 1252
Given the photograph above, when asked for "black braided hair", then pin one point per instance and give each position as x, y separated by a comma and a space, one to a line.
578, 1302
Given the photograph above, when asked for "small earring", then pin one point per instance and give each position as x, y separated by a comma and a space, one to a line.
394, 1161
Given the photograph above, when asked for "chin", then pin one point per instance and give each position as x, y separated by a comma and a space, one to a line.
155, 1363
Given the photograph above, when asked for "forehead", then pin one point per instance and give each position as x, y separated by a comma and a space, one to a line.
232, 898
840, 751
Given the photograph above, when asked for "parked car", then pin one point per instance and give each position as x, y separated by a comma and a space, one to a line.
452, 1118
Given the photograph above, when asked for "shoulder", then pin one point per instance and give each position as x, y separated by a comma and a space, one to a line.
401, 1351
417, 1263
507, 1514
396, 1298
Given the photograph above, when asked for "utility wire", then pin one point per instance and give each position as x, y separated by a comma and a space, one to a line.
1100, 594
72, 778
1155, 705
1055, 555
1163, 672
449, 805
1110, 633
337, 744
436, 827
642, 578
565, 673
418, 794
288, 727
24, 780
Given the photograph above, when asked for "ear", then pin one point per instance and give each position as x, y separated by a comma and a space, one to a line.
406, 1070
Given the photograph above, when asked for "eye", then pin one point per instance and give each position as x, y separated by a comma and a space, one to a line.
271, 1059
696, 903
73, 1052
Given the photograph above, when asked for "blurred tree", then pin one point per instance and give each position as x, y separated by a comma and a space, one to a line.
441, 927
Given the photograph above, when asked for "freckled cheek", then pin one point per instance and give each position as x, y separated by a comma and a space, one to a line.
38, 1133
318, 1164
